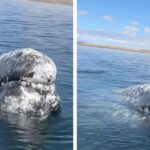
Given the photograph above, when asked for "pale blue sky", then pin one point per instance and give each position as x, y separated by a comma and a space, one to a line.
128, 20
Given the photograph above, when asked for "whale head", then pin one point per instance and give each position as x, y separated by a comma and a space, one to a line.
27, 83
138, 97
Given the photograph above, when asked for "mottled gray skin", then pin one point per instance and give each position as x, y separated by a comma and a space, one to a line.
27, 83
139, 97
21, 64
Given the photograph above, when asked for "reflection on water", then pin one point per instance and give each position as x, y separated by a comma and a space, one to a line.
47, 28
27, 133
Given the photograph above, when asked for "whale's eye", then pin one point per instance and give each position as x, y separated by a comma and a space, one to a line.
30, 75
49, 80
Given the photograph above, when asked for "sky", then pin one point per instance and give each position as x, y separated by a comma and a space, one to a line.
115, 22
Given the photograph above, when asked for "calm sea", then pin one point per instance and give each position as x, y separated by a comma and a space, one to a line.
105, 122
47, 28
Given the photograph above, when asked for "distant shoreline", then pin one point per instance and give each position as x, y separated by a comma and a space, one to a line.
62, 2
115, 48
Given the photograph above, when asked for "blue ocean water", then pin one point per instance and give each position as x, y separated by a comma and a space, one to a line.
105, 121
47, 28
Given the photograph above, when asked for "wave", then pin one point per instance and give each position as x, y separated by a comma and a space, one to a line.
92, 71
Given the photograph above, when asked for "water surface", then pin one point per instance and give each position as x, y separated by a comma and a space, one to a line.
47, 28
105, 121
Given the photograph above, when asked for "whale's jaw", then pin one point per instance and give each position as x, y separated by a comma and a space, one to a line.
27, 84
29, 99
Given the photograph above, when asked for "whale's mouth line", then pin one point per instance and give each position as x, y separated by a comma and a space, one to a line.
41, 88
6, 80
24, 81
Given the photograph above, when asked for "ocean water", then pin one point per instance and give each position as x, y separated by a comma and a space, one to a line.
105, 120
47, 28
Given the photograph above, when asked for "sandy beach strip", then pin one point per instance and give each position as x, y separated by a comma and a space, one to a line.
63, 2
115, 48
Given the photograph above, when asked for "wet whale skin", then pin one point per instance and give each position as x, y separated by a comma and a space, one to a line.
27, 83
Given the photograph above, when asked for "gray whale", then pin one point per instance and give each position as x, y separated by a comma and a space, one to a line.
139, 97
27, 83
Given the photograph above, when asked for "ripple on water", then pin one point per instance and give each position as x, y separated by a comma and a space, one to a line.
105, 120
